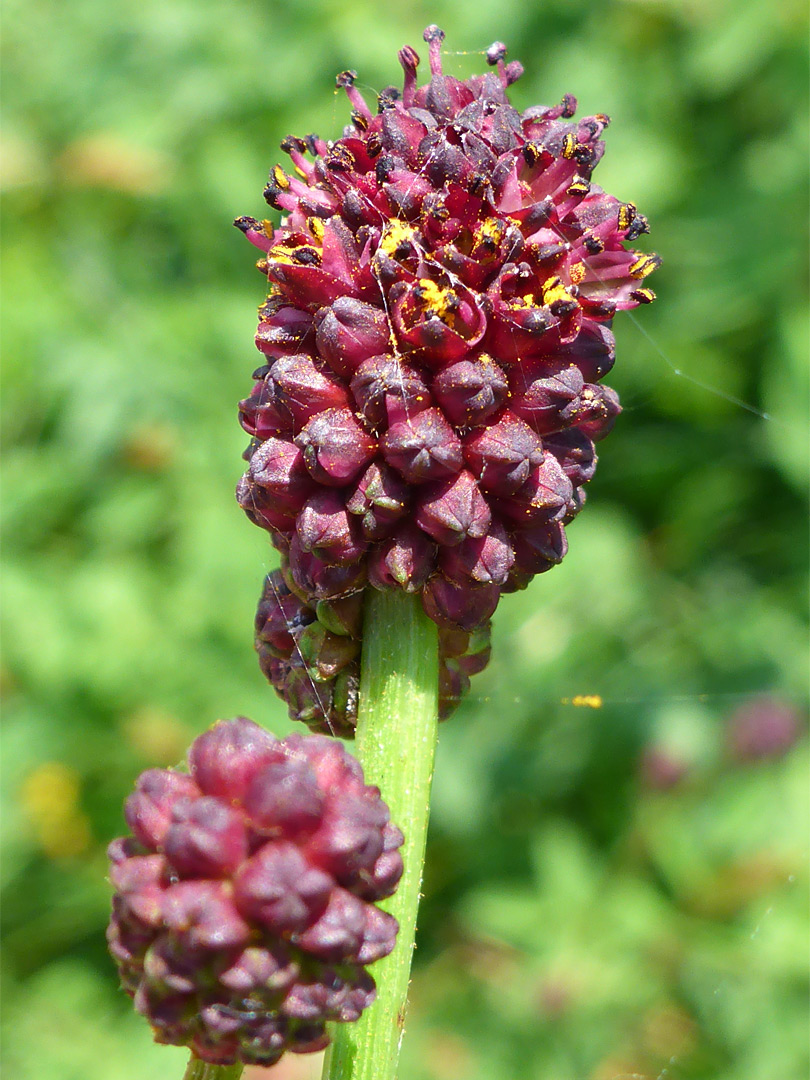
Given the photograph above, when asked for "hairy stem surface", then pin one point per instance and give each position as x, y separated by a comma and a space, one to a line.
396, 743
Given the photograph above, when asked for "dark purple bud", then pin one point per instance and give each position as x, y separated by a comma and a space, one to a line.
380, 499
318, 581
148, 811
302, 387
405, 560
277, 468
599, 406
204, 913
575, 453
425, 447
224, 759
206, 839
140, 881
279, 888
593, 350
285, 329
284, 799
539, 547
452, 510
171, 963
280, 617
262, 509
386, 390
484, 560
350, 838
549, 401
379, 935
349, 331
471, 391
262, 969
326, 529
338, 932
335, 447
502, 455
461, 606
543, 497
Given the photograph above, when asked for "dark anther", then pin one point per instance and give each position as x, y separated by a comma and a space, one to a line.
271, 194
245, 223
292, 142
340, 158
640, 225
387, 97
479, 184
345, 79
433, 33
373, 145
385, 166
643, 296
306, 256
626, 215
569, 105
311, 141
531, 153
359, 121
260, 372
561, 308
550, 252
593, 245
579, 186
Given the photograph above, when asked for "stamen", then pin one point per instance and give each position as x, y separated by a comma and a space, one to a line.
345, 81
434, 36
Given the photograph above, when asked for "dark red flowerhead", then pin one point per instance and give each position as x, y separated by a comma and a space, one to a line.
441, 287
245, 902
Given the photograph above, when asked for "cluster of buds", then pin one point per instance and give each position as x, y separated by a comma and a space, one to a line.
441, 289
310, 653
244, 910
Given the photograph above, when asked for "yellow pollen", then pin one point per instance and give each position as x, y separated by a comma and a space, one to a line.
281, 178
437, 301
527, 301
644, 296
577, 273
396, 232
490, 229
626, 214
315, 226
268, 228
587, 701
644, 266
569, 145
553, 289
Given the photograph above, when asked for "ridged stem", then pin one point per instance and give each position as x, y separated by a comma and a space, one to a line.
396, 744
201, 1070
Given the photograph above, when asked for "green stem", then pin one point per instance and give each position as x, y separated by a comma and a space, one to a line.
396, 743
201, 1070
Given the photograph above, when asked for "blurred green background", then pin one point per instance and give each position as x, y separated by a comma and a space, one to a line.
612, 892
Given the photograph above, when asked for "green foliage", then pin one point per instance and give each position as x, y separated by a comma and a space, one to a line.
577, 923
